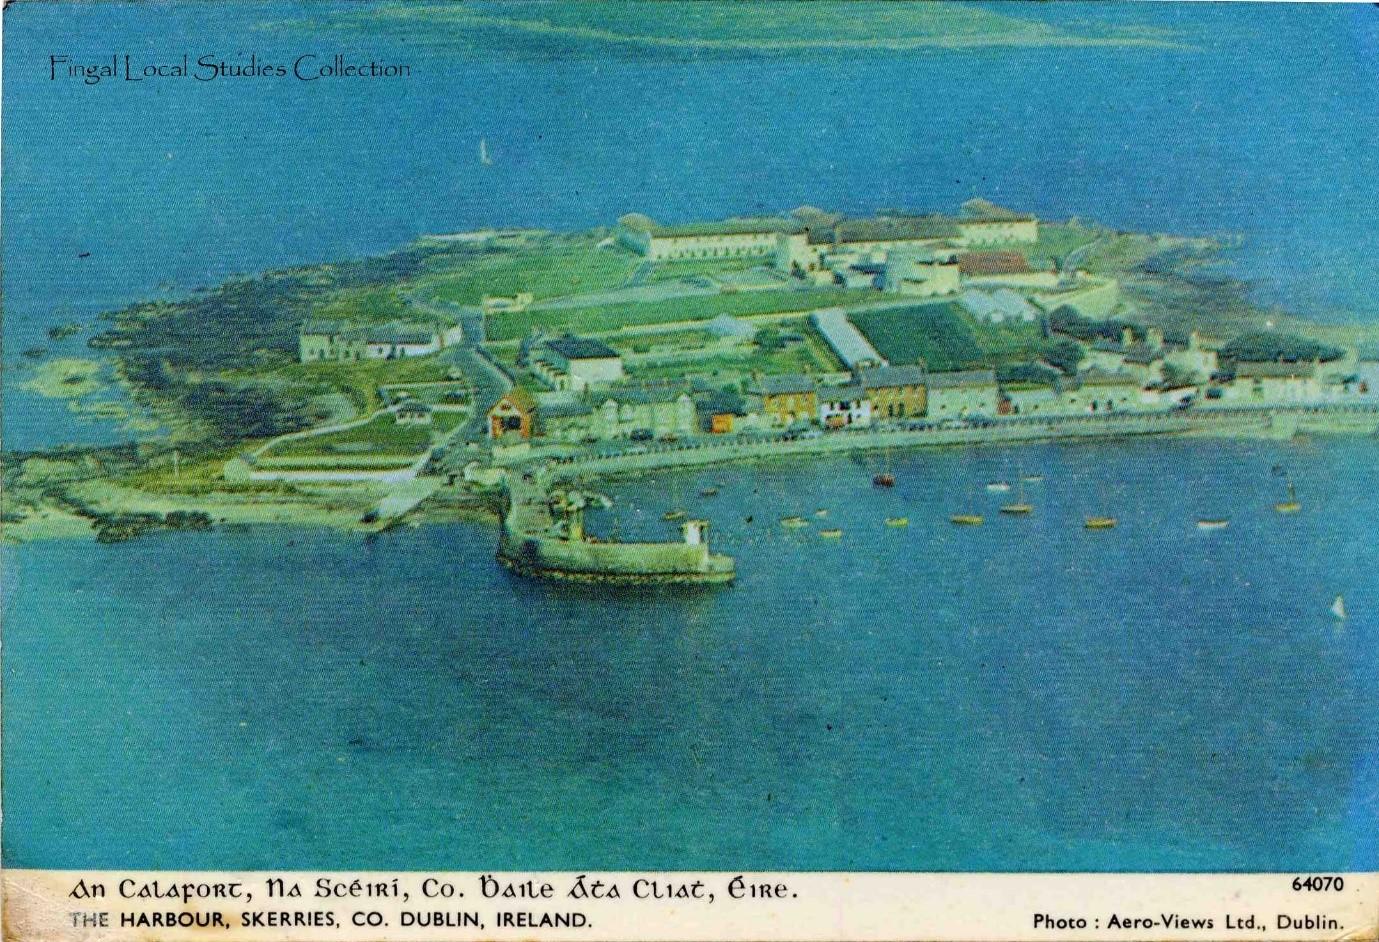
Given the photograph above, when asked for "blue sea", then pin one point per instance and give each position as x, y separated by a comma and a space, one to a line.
1023, 695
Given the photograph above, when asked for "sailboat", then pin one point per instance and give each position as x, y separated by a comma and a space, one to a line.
885, 478
966, 518
483, 152
1099, 521
1338, 608
1020, 506
1290, 506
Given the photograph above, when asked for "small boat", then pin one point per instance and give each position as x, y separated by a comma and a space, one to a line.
1099, 523
967, 520
709, 492
897, 521
821, 512
998, 487
1212, 523
1032, 478
1019, 507
674, 515
794, 522
484, 158
1290, 506
884, 479
1338, 608
831, 534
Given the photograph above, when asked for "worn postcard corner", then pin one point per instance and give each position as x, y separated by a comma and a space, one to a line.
689, 471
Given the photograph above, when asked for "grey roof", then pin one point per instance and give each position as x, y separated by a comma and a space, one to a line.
841, 393
643, 395
885, 229
1275, 368
721, 401
845, 339
748, 225
958, 378
882, 377
324, 327
580, 348
564, 410
783, 384
980, 210
398, 333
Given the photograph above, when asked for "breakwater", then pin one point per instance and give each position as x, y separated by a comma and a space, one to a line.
533, 541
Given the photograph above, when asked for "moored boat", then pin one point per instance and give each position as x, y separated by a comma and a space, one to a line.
998, 487
674, 515
831, 534
1099, 523
1019, 507
897, 521
1290, 506
884, 479
1213, 523
794, 522
967, 520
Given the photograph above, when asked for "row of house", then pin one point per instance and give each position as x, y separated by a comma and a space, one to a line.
344, 341
876, 392
799, 241
890, 394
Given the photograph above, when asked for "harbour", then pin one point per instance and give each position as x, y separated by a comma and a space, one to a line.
1064, 660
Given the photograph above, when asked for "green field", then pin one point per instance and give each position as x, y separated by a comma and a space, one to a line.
945, 338
609, 317
383, 437
360, 381
553, 269
936, 334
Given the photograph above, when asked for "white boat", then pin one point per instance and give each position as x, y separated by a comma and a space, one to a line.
1209, 523
1338, 608
998, 487
483, 152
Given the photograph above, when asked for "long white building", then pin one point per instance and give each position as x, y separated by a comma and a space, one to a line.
727, 238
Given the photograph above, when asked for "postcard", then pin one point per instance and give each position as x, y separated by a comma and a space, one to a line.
690, 471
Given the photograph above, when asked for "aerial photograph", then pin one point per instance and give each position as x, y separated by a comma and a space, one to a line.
690, 436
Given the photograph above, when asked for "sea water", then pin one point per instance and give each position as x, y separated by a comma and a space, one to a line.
1255, 120
1023, 694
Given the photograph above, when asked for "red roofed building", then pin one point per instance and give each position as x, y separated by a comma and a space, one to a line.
982, 264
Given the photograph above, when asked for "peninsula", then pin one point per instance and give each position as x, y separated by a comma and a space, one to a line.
502, 371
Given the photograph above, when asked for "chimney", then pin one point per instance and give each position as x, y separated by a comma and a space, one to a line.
1194, 341
1155, 338
1127, 336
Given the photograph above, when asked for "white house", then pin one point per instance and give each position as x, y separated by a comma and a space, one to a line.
921, 275
984, 223
844, 407
962, 393
727, 238
575, 363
